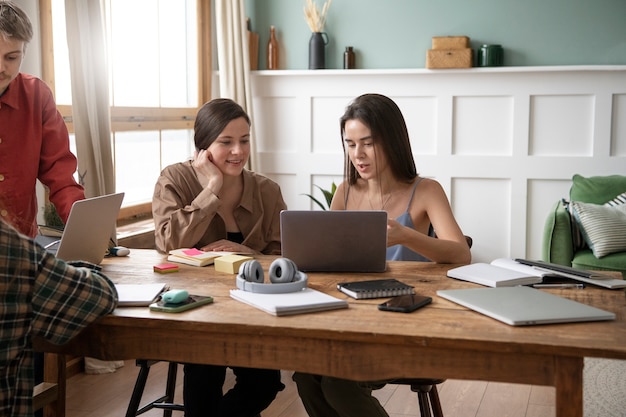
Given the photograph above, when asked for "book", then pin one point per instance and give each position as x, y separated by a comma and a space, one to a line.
307, 300
194, 257
192, 301
496, 274
377, 288
508, 272
138, 295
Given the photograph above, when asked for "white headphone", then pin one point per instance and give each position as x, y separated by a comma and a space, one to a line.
284, 277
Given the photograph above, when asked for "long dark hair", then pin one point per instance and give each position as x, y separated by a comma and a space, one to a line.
212, 119
389, 132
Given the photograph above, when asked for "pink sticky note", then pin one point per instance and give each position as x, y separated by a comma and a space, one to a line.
192, 252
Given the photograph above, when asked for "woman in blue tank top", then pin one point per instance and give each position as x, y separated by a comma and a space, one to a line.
380, 174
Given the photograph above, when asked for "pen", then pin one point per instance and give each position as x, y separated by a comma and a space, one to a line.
580, 286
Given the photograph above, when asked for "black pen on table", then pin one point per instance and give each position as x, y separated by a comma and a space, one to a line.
578, 286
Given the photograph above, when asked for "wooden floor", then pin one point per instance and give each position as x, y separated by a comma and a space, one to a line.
107, 395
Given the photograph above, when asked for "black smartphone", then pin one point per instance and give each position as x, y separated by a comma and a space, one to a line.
405, 303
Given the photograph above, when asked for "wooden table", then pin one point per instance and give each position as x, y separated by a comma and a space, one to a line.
443, 340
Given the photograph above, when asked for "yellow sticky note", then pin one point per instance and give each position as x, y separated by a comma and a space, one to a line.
230, 263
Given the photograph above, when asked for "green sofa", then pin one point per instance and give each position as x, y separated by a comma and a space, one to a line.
563, 241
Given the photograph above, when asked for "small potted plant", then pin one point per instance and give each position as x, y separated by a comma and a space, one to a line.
328, 196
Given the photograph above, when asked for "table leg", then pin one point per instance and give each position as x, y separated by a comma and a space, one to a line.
569, 387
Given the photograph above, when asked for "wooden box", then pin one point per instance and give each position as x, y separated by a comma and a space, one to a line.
449, 58
450, 42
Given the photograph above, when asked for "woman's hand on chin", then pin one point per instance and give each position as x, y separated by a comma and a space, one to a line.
203, 163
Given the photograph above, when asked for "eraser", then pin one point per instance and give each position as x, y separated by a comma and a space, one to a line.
165, 268
230, 263
174, 296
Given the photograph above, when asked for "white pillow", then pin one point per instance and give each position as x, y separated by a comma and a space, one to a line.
603, 227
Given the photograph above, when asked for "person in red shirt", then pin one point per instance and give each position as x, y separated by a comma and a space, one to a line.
34, 142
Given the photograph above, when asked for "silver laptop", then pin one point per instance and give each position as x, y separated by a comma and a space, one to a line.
335, 241
89, 229
522, 306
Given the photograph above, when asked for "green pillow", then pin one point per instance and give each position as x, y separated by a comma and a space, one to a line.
620, 199
603, 227
596, 190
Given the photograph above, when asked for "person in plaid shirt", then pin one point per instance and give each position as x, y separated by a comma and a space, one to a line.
43, 296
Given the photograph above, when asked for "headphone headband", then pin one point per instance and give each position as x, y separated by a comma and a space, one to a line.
300, 282
284, 277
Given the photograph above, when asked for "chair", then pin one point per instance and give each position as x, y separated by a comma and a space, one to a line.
166, 402
427, 395
562, 241
426, 388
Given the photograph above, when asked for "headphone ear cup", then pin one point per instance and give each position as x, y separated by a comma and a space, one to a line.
252, 271
283, 270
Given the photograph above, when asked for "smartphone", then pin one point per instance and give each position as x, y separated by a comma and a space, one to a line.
405, 303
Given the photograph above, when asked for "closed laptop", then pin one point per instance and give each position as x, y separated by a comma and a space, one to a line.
523, 306
335, 240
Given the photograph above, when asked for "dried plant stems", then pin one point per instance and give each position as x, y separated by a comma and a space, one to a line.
314, 18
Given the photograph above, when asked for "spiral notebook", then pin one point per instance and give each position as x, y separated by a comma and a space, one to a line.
377, 288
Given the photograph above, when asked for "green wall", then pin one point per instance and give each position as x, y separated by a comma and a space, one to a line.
397, 33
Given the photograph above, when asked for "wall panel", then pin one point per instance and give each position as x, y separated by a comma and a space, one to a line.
503, 142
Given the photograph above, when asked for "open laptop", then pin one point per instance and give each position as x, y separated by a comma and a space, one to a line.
522, 306
89, 228
335, 240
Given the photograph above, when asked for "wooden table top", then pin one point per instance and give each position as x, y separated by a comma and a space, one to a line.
441, 340
442, 324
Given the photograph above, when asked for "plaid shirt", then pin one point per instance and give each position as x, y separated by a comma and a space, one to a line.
40, 296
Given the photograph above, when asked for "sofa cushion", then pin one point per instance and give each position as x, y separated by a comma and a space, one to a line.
585, 259
603, 227
557, 244
596, 190
620, 199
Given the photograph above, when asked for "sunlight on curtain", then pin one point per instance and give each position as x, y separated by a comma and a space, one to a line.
90, 98
234, 60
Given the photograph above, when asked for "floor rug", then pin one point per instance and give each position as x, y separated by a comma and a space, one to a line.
604, 388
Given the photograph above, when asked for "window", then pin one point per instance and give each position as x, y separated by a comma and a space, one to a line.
155, 87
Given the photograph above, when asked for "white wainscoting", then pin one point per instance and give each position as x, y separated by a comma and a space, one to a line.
503, 142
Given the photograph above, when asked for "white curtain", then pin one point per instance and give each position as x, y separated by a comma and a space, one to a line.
233, 59
90, 95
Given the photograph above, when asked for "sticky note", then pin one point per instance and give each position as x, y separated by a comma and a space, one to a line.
165, 268
230, 263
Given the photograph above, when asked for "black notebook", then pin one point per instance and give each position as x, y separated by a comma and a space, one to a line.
377, 288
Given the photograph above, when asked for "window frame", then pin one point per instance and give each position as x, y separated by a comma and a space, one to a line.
125, 119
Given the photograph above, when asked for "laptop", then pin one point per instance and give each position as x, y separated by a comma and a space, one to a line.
523, 306
89, 229
335, 240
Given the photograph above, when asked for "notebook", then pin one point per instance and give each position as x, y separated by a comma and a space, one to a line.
89, 228
307, 300
335, 241
523, 306
377, 288
138, 295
